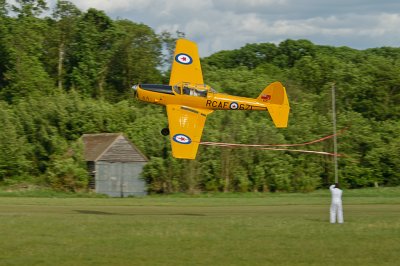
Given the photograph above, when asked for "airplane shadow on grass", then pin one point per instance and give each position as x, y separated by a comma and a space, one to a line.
92, 212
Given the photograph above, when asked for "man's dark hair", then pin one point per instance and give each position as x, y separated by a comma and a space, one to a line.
337, 185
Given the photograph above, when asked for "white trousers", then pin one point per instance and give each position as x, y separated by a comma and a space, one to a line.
336, 211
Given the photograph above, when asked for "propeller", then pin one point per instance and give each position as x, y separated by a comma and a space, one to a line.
134, 88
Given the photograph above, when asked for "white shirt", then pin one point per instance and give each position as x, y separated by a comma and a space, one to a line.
336, 194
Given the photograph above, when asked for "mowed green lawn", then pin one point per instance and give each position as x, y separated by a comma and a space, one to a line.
268, 229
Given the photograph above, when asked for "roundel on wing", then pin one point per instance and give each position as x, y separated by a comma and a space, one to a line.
183, 59
182, 139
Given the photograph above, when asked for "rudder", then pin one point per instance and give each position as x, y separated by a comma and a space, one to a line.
275, 97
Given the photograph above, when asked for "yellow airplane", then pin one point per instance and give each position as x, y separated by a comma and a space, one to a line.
189, 101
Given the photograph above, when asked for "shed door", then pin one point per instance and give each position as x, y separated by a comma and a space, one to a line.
119, 179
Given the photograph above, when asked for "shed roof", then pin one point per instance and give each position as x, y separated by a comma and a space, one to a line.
111, 147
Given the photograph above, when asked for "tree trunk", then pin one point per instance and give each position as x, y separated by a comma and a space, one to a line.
61, 53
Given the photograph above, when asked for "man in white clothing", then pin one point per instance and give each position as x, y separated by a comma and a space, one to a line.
336, 210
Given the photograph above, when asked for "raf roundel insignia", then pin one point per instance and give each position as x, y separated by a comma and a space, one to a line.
233, 106
182, 139
183, 59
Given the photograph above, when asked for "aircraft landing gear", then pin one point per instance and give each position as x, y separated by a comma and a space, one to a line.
165, 131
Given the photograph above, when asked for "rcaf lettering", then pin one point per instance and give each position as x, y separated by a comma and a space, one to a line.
216, 104
225, 105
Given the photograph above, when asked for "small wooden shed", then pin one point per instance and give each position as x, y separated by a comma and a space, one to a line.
115, 165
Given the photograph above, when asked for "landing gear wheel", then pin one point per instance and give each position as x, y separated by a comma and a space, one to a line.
165, 131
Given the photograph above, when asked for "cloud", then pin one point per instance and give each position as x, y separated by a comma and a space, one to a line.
112, 6
250, 6
229, 24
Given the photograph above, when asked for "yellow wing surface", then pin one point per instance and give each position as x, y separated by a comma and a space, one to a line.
186, 64
186, 127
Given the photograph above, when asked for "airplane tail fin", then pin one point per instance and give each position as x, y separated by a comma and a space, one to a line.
275, 97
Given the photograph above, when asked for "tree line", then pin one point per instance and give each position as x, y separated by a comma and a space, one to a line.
70, 72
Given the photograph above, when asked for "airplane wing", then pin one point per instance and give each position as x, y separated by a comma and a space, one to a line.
186, 126
186, 64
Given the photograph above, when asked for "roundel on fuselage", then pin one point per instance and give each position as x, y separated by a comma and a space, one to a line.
234, 105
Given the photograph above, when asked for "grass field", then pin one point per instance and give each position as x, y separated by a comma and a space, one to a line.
248, 229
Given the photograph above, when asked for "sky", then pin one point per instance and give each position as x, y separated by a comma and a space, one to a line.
229, 24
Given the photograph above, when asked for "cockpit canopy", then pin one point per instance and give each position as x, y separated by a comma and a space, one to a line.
199, 90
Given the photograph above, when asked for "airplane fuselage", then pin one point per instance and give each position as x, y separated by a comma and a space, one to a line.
207, 99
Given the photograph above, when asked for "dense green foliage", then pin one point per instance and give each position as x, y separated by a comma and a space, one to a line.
70, 73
